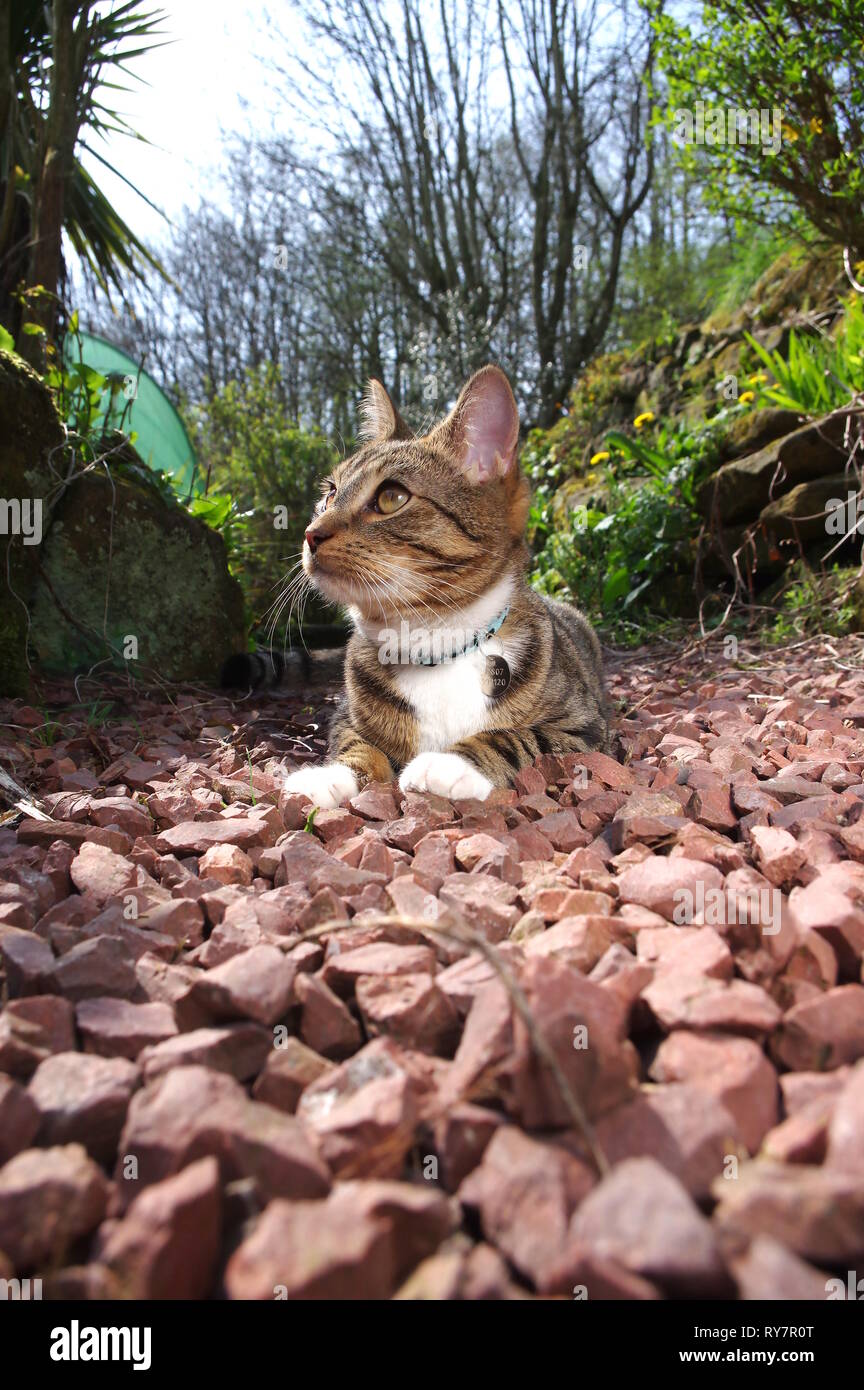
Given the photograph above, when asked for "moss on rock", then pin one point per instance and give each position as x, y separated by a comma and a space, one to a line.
677, 375
124, 564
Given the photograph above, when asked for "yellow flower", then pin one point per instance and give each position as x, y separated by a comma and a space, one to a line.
757, 378
590, 477
601, 457
746, 397
790, 132
815, 126
644, 419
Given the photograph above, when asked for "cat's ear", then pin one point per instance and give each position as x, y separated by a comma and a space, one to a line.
482, 430
380, 421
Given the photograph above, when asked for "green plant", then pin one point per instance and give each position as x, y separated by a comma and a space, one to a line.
730, 285
812, 604
219, 511
264, 470
820, 374
100, 712
79, 393
790, 75
616, 555
47, 734
94, 407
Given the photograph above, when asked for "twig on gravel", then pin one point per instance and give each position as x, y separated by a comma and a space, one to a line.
16, 797
465, 936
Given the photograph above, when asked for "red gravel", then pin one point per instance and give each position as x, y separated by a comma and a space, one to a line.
604, 1031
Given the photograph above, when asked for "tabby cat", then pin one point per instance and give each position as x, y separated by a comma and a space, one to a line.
457, 673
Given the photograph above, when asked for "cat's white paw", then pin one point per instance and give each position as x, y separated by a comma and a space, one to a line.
445, 774
328, 786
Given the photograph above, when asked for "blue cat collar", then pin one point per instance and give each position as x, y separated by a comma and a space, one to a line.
478, 639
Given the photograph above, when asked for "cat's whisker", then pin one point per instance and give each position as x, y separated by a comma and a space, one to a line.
292, 595
396, 569
393, 570
301, 594
403, 585
402, 593
462, 588
287, 580
293, 588
375, 598
397, 596
282, 598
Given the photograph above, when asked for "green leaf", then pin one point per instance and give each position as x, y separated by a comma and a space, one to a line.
7, 342
616, 586
655, 462
90, 379
33, 329
213, 511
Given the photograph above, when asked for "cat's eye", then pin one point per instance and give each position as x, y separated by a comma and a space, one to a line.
325, 501
390, 497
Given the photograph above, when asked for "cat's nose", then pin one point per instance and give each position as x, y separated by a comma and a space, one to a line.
316, 537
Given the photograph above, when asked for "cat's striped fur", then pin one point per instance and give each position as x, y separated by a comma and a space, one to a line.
450, 556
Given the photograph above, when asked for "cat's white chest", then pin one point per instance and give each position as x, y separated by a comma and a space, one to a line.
448, 700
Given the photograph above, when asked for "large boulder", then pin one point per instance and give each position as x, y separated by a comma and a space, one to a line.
30, 440
748, 433
801, 514
739, 490
111, 558
120, 561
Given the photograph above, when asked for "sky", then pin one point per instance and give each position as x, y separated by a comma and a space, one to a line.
206, 80
187, 97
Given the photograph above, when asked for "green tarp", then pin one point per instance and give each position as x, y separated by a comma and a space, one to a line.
162, 441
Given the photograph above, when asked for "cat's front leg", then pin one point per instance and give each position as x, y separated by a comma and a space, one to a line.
501, 753
472, 767
497, 754
445, 774
353, 762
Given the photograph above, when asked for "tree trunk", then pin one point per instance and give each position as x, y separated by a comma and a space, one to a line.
54, 167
